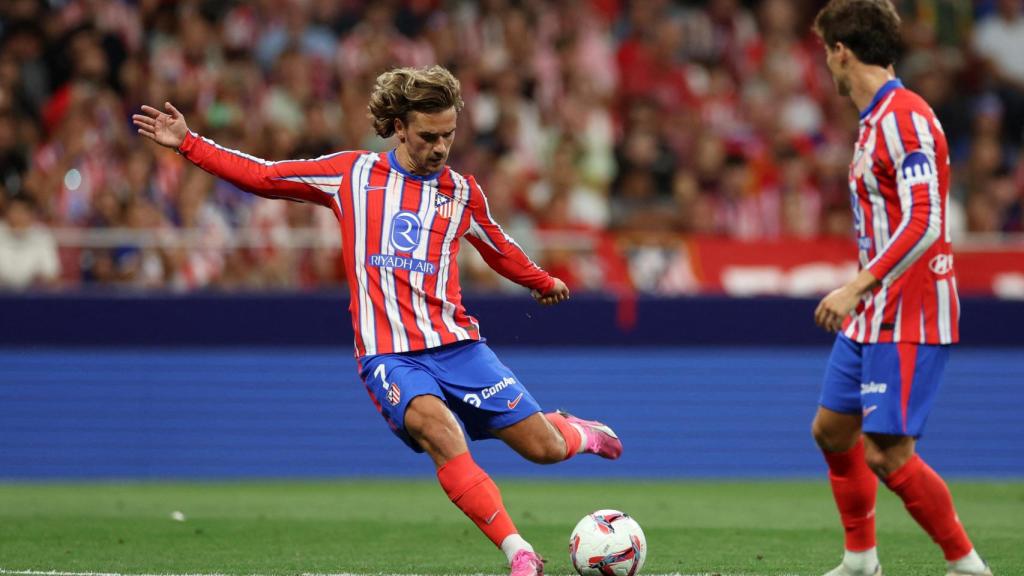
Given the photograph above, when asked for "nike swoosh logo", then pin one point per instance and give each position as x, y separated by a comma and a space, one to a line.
869, 410
368, 188
493, 516
513, 403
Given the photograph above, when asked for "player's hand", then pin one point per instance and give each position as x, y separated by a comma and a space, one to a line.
559, 292
167, 129
834, 308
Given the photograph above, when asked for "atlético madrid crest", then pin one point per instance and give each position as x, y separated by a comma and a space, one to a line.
443, 204
394, 394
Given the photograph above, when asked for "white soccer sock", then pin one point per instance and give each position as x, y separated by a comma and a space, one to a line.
512, 544
583, 437
970, 563
864, 561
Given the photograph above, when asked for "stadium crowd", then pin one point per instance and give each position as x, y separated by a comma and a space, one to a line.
591, 124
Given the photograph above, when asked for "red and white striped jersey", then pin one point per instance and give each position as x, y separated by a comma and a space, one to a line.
400, 238
899, 189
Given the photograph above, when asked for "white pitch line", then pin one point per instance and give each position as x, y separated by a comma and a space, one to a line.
61, 573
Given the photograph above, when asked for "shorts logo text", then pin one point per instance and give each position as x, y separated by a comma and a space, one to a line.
505, 383
873, 388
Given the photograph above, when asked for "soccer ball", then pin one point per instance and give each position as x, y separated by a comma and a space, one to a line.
607, 543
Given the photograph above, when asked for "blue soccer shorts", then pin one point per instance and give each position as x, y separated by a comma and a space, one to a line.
467, 376
892, 385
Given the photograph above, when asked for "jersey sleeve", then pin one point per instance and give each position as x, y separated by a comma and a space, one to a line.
315, 180
498, 249
912, 149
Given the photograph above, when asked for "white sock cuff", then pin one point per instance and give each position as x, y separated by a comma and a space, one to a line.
583, 437
512, 544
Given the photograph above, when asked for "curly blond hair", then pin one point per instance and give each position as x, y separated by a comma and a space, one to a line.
402, 90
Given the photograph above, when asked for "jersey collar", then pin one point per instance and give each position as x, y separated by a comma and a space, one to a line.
882, 93
397, 166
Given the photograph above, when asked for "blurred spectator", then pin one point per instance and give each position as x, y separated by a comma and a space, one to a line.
28, 251
999, 39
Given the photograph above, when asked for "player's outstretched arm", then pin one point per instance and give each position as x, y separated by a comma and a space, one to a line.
166, 129
559, 292
316, 180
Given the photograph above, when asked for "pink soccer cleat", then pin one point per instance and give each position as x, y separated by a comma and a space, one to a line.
527, 563
601, 439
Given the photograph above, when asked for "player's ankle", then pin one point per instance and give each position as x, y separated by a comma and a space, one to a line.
584, 439
862, 561
512, 544
972, 562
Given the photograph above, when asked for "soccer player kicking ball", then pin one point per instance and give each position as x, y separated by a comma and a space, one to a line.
898, 318
420, 354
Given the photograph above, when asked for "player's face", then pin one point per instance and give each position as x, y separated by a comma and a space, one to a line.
427, 139
834, 59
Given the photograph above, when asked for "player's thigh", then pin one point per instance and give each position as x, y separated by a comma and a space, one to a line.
902, 381
534, 438
433, 426
394, 382
483, 392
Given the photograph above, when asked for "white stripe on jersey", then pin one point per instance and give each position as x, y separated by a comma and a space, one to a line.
879, 313
360, 179
945, 330
426, 213
476, 231
873, 119
391, 205
956, 297
879, 217
899, 321
326, 184
447, 308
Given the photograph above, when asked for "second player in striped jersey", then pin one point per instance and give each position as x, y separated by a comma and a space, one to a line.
899, 317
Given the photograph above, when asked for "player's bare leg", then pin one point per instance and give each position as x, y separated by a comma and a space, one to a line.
558, 436
854, 487
926, 497
537, 440
429, 421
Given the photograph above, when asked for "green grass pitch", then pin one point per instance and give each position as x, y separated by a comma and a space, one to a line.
409, 527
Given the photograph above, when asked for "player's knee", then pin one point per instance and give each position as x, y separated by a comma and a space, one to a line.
880, 462
831, 438
884, 461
